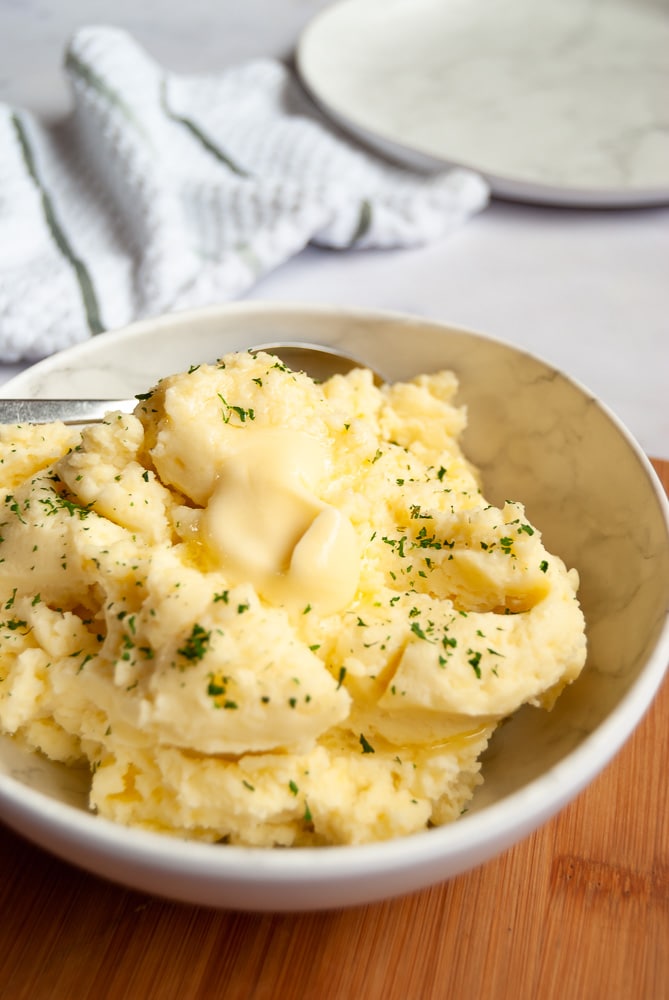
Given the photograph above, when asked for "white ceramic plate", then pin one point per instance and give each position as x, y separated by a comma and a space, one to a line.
536, 436
557, 102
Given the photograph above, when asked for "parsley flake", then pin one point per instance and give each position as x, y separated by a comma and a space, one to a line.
196, 645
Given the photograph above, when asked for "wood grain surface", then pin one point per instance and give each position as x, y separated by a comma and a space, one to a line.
578, 910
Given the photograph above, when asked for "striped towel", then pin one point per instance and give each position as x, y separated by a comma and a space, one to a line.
160, 192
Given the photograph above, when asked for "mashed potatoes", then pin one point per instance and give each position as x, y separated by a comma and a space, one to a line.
272, 612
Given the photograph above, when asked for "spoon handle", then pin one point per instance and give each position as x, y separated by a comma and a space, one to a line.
69, 411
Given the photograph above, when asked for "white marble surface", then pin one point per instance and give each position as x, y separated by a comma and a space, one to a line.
585, 290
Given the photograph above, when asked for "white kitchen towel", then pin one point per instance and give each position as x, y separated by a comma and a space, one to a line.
161, 191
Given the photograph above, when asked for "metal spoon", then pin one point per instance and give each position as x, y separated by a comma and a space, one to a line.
316, 360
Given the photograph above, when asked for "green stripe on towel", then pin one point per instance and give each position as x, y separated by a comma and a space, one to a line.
198, 134
364, 222
82, 70
88, 295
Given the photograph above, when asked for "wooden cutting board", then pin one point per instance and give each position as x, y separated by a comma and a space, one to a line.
578, 911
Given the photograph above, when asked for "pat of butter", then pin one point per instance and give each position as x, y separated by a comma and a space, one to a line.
265, 522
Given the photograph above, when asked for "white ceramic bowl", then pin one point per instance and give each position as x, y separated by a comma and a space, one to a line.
536, 435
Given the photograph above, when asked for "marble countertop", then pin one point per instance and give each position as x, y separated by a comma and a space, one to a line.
584, 289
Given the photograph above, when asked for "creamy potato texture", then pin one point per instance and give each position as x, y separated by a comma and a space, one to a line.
269, 611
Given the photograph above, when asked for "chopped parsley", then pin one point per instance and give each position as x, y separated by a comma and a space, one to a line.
230, 409
196, 645
474, 661
215, 688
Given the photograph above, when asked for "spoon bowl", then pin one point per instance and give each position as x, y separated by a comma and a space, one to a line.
317, 360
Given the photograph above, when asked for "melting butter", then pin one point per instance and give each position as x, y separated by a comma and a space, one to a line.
266, 523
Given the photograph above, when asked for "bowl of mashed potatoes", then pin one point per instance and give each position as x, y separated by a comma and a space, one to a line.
276, 643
